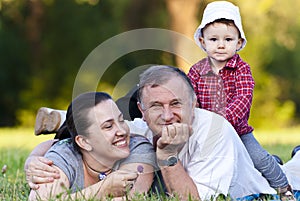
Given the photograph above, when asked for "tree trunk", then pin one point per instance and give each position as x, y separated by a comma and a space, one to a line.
183, 15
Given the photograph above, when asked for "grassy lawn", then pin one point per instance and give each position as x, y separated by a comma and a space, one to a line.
16, 144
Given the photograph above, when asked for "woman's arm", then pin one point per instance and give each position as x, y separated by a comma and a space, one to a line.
39, 169
145, 178
114, 185
48, 190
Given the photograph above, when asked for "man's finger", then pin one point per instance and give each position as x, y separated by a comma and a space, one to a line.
172, 130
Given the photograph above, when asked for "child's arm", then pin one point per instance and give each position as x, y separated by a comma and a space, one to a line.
240, 107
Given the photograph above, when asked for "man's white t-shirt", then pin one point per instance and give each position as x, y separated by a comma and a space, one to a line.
215, 158
292, 171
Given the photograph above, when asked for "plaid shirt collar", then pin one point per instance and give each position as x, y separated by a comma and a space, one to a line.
232, 63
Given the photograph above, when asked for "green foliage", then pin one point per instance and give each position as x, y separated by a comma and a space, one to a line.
13, 184
44, 42
274, 24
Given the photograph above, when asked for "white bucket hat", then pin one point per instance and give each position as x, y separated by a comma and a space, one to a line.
217, 10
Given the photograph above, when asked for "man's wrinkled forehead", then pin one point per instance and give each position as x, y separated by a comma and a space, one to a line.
168, 91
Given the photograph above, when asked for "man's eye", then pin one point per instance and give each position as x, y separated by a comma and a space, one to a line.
176, 104
156, 106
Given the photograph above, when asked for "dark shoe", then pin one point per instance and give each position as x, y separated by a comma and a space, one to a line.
297, 148
277, 159
286, 194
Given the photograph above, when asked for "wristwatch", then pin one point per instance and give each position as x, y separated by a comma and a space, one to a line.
171, 161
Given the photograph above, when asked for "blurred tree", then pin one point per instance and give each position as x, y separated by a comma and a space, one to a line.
14, 59
184, 19
269, 22
44, 42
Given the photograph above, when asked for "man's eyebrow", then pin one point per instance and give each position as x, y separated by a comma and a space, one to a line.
154, 102
177, 99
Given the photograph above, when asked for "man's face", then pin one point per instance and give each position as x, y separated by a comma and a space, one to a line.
167, 104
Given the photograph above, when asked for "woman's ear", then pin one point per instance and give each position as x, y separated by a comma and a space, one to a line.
83, 143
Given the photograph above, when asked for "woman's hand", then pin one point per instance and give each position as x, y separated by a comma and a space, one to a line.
118, 183
39, 170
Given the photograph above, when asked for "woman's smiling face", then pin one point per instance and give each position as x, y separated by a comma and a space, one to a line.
108, 134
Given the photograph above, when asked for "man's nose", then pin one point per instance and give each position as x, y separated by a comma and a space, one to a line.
167, 114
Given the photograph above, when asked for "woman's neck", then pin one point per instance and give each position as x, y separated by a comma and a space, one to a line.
92, 176
95, 169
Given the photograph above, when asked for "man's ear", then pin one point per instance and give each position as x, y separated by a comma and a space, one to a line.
83, 143
195, 102
141, 110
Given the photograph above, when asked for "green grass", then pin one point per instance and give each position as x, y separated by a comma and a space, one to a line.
16, 144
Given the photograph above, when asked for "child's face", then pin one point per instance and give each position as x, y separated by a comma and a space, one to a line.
221, 41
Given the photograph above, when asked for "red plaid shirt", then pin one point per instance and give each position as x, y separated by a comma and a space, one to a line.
229, 93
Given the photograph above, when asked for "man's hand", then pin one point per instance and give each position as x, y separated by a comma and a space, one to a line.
39, 170
172, 139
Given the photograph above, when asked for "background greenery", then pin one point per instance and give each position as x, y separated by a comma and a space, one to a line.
44, 42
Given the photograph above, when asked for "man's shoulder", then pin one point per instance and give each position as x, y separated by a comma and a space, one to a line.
137, 124
140, 127
205, 119
204, 114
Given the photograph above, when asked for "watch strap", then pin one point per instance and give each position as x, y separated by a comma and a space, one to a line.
170, 161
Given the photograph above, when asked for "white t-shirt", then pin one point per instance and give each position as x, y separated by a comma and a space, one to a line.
292, 171
215, 158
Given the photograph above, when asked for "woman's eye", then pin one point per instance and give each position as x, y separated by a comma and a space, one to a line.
107, 126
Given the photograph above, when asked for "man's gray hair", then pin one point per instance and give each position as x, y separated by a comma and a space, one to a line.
159, 75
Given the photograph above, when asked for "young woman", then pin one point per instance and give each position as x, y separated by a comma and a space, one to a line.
100, 159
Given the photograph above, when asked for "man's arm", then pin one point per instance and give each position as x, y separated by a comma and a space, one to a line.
39, 169
179, 182
175, 177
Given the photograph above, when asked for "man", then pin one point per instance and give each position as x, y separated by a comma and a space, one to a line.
198, 151
211, 159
